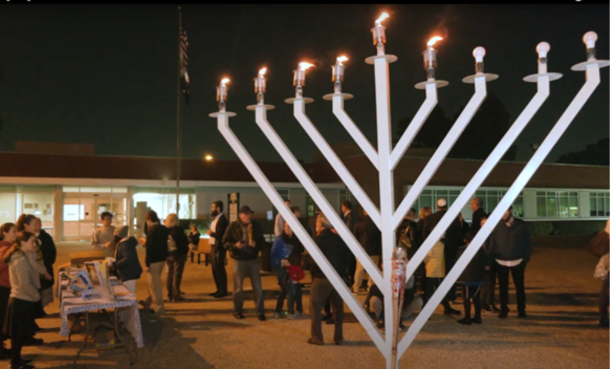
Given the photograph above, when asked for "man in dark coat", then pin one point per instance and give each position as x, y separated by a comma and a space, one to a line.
476, 205
452, 240
219, 253
510, 249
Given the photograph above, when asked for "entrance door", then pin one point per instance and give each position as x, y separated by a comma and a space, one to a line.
82, 212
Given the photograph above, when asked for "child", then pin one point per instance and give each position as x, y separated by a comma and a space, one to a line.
295, 271
472, 279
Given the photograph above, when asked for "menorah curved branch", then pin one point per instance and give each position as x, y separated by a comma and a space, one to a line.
518, 185
443, 149
297, 227
415, 125
543, 80
352, 129
316, 194
347, 178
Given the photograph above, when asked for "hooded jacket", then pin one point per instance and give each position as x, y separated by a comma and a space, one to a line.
127, 263
24, 278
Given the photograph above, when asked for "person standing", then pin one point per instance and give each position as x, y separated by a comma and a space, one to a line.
476, 205
350, 221
472, 279
126, 264
336, 252
156, 258
178, 250
49, 255
312, 222
244, 239
282, 249
8, 236
194, 236
24, 278
103, 237
278, 228
451, 241
488, 291
510, 249
348, 216
219, 253
369, 236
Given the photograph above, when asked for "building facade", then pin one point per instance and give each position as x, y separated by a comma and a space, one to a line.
69, 192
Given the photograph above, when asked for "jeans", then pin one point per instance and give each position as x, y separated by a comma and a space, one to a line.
472, 293
604, 300
321, 290
175, 269
219, 272
518, 273
298, 297
155, 288
252, 270
431, 286
488, 290
286, 289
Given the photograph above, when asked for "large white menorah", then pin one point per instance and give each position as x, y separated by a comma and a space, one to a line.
385, 160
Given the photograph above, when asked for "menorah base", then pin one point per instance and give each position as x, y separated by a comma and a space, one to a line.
253, 107
533, 78
329, 97
306, 100
438, 83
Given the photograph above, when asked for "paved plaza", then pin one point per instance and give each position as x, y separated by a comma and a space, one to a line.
560, 331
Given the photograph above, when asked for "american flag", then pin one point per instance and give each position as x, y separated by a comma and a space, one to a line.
184, 61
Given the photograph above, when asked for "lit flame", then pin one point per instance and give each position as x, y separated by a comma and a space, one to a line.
341, 59
305, 65
209, 157
224, 82
262, 72
433, 40
384, 15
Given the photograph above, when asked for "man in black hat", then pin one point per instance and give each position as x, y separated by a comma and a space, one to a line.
244, 239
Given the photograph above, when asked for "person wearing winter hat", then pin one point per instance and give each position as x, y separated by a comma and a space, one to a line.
127, 264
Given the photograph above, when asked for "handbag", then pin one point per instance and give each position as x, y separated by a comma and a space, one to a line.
599, 245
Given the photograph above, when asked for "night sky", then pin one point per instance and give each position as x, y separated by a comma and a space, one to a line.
107, 75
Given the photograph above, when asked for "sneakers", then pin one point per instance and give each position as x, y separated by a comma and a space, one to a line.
295, 315
277, 315
239, 316
311, 341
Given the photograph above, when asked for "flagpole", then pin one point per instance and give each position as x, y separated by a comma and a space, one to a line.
178, 128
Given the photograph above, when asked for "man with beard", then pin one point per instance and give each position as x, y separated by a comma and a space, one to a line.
219, 253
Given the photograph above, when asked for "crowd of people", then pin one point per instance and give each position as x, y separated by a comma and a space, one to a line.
27, 255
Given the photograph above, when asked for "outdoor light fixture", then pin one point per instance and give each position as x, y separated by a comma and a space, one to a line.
430, 63
299, 77
209, 157
379, 33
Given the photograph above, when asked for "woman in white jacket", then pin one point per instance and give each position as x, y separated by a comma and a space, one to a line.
19, 322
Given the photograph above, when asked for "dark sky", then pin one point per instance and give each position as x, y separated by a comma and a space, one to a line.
106, 75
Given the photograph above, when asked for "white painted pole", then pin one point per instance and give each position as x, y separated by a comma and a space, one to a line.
441, 152
353, 130
347, 178
510, 196
318, 197
297, 227
416, 123
543, 80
